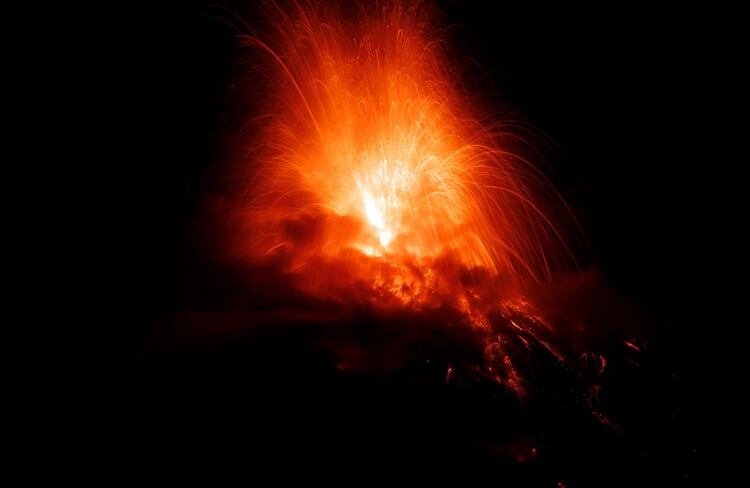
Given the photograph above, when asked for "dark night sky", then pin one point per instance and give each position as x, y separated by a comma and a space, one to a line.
635, 98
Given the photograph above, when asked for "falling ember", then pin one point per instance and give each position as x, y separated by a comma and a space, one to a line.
375, 178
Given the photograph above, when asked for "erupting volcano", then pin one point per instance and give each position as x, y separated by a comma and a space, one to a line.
448, 236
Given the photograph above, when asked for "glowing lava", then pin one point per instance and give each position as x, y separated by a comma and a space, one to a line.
373, 176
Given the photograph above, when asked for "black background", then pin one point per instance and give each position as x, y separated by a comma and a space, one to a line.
636, 98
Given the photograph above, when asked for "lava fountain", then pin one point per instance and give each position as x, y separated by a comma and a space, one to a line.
374, 177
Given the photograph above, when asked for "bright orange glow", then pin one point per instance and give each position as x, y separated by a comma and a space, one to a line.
374, 175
